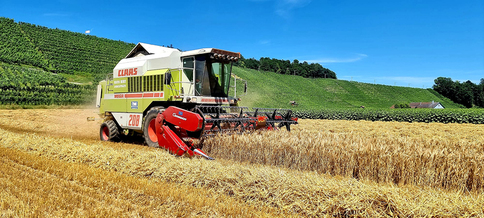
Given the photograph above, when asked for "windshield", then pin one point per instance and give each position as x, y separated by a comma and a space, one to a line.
212, 78
221, 75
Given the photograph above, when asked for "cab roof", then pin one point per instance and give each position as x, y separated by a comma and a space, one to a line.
143, 49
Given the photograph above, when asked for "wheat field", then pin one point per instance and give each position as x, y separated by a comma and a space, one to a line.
40, 187
448, 156
51, 167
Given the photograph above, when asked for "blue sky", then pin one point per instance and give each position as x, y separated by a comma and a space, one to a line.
403, 43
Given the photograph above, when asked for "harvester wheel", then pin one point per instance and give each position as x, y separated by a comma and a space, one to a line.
109, 131
149, 130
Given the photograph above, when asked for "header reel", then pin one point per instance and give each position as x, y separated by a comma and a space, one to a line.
176, 127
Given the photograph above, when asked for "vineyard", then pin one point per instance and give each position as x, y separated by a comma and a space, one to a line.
474, 116
57, 50
320, 169
30, 55
15, 46
70, 52
29, 86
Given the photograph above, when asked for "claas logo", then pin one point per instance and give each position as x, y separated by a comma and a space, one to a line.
128, 72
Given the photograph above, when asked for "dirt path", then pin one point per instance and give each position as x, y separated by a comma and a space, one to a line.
61, 123
71, 123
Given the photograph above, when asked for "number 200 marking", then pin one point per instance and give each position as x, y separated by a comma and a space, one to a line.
134, 120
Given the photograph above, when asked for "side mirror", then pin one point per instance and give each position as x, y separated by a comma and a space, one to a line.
167, 78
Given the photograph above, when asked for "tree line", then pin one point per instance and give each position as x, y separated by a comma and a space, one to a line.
466, 93
304, 69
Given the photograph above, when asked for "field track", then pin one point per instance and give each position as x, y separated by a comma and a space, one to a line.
52, 164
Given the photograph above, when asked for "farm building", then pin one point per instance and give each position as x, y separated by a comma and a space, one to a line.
434, 105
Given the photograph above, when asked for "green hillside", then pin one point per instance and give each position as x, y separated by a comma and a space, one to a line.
266, 89
59, 51
15, 46
30, 49
21, 85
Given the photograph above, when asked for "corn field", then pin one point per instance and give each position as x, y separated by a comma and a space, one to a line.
322, 168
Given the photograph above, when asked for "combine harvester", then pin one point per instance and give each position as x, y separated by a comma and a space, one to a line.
172, 97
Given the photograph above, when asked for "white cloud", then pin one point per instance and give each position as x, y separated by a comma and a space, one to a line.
338, 60
285, 7
265, 42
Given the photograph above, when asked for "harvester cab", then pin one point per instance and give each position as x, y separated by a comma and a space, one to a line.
174, 98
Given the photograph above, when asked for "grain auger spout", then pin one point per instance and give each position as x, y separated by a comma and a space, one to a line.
176, 128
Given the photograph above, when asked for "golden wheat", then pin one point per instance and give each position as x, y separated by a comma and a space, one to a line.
33, 186
449, 156
293, 185
300, 193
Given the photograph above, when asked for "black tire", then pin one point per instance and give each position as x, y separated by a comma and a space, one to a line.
149, 131
109, 131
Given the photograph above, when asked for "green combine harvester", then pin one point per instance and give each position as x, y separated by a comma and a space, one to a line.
172, 97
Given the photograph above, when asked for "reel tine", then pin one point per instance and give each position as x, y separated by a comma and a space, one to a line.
234, 119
